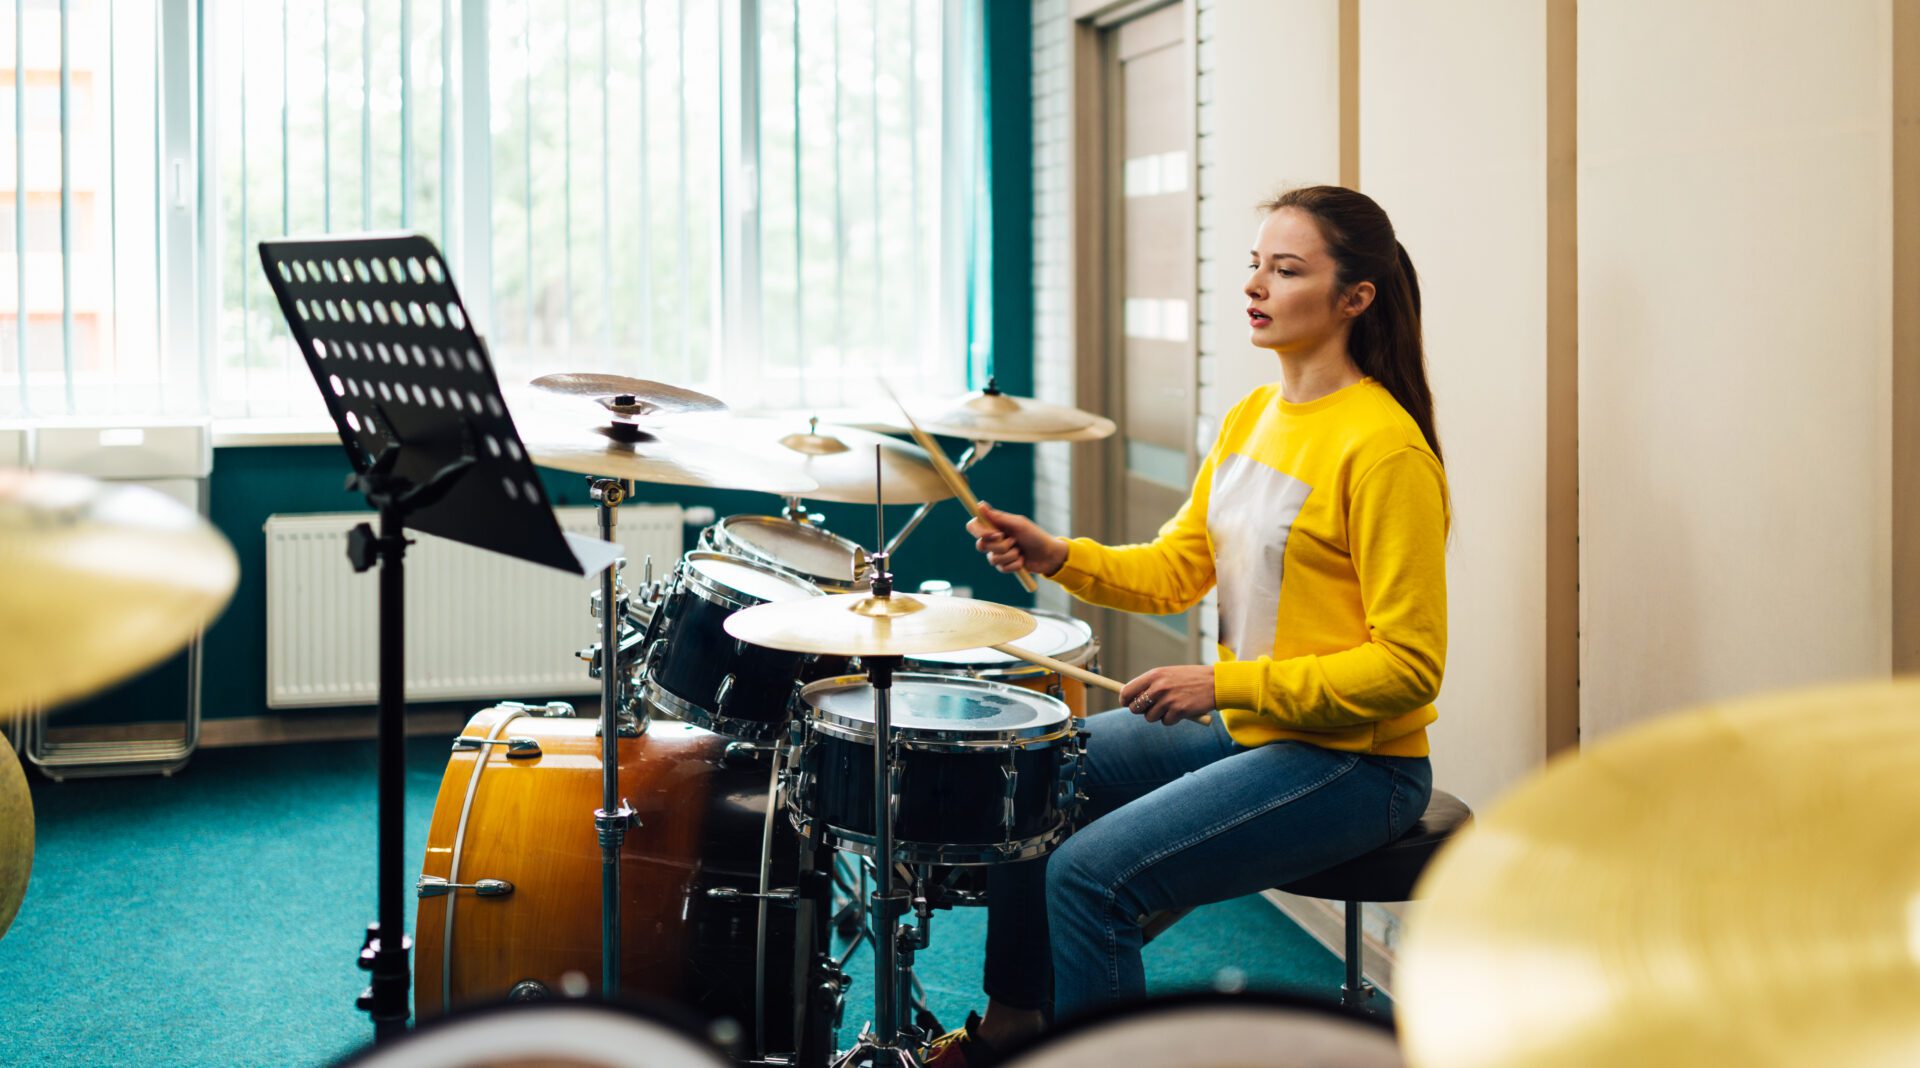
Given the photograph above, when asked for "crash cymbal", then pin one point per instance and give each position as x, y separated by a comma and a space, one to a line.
632, 397
1737, 884
16, 834
990, 415
671, 455
859, 624
98, 582
840, 459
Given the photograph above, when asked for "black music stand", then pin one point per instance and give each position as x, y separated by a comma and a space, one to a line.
414, 397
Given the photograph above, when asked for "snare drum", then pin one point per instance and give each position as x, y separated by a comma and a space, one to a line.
827, 560
988, 772
697, 672
1056, 635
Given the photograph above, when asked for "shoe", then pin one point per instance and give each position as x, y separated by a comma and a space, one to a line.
961, 1047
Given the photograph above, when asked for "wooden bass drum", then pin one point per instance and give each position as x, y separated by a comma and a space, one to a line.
513, 829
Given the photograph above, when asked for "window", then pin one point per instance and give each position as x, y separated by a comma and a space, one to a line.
770, 200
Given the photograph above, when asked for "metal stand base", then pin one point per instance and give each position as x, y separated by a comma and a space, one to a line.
1356, 992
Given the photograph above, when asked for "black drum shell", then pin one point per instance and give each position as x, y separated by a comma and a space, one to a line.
946, 798
699, 655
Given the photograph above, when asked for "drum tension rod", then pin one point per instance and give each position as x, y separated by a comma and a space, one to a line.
785, 895
519, 747
435, 886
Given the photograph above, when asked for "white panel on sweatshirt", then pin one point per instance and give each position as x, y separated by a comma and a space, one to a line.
1250, 512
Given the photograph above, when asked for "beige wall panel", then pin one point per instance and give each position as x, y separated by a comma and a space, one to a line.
1275, 96
1453, 146
1734, 350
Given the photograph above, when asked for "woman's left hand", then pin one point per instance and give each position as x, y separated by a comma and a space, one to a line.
1171, 694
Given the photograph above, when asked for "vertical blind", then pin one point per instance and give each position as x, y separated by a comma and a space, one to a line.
772, 200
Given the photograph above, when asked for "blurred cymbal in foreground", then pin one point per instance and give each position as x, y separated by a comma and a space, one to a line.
1738, 884
16, 834
98, 582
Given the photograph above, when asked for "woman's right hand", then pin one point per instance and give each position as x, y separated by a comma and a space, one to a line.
1016, 543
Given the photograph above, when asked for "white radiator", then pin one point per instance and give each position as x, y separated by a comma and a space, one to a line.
479, 625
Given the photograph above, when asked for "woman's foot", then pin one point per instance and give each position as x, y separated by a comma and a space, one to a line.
981, 1042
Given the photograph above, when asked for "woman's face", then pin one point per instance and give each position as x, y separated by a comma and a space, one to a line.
1292, 303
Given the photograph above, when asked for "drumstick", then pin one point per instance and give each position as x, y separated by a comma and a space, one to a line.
1064, 668
954, 479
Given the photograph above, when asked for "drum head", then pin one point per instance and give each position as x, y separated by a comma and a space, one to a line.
1217, 1031
567, 1034
938, 706
1055, 635
745, 576
806, 550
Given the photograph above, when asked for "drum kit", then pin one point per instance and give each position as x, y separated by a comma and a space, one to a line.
780, 728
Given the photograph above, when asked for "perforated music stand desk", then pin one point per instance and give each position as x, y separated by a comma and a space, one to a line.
419, 410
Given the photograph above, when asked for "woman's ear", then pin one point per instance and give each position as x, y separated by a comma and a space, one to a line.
1357, 300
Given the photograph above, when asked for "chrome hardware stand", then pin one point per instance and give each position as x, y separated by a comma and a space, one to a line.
881, 1045
613, 817
975, 453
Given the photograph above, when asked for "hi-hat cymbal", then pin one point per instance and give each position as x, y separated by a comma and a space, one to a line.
859, 624
1737, 884
990, 415
840, 459
98, 582
631, 397
673, 455
16, 834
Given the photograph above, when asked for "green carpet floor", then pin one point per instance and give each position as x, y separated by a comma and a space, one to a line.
213, 918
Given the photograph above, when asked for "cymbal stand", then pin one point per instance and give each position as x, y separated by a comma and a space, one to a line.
880, 1045
975, 453
613, 817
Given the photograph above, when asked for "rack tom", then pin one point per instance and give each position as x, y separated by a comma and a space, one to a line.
1060, 636
829, 561
988, 772
698, 673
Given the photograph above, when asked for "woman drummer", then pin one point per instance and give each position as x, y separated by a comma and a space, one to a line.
1321, 516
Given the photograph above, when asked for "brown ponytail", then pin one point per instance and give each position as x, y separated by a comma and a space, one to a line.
1385, 343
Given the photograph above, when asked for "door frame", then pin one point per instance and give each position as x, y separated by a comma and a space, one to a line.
1094, 221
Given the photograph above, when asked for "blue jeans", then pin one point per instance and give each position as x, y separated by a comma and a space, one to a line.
1180, 816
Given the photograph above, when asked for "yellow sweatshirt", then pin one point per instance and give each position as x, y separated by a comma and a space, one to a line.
1325, 526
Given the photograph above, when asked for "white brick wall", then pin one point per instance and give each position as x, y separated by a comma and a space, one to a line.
1052, 313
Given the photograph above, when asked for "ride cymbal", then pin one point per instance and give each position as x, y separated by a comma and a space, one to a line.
840, 459
631, 397
1737, 884
671, 455
990, 415
859, 624
99, 582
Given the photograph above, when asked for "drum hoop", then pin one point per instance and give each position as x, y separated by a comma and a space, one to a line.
936, 739
914, 852
738, 547
574, 1029
715, 592
746, 730
1137, 1009
1079, 656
